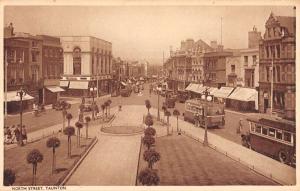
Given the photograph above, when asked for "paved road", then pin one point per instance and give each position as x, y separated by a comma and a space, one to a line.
113, 160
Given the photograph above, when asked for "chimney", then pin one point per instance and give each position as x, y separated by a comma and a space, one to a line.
214, 45
9, 31
253, 38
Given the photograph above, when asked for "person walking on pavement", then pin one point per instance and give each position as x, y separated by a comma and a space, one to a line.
24, 133
18, 135
13, 128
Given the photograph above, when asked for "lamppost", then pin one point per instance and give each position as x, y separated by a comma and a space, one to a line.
158, 93
93, 103
207, 98
21, 93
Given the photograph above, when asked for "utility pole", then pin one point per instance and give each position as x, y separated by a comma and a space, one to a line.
221, 30
272, 82
6, 63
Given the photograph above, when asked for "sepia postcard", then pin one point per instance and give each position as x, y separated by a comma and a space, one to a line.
158, 95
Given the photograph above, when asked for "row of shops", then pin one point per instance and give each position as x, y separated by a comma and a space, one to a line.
238, 98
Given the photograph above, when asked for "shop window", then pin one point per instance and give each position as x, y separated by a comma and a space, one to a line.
271, 132
279, 134
264, 131
287, 137
77, 61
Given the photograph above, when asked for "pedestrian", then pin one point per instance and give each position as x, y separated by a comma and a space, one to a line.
5, 134
17, 134
13, 137
24, 133
239, 128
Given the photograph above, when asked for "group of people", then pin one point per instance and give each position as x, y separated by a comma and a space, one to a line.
15, 134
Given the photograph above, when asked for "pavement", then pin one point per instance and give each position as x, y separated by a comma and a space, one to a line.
113, 160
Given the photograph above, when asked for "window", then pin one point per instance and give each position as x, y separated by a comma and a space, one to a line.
245, 60
278, 51
271, 132
287, 137
279, 134
278, 73
232, 68
254, 59
34, 57
267, 50
264, 131
268, 73
76, 61
257, 128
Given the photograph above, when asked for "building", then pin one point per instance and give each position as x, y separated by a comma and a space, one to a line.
87, 66
52, 68
277, 78
242, 68
214, 68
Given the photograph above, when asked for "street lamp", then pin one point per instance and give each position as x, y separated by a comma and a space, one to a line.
158, 93
93, 103
206, 98
21, 93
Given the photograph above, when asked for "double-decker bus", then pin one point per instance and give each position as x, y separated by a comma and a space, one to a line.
273, 137
215, 113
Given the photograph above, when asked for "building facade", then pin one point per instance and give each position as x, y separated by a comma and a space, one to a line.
277, 77
87, 66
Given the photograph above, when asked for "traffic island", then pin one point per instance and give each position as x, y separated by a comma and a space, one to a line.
123, 130
16, 159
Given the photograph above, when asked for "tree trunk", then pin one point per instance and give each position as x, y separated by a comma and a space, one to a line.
177, 123
70, 147
78, 137
86, 131
64, 122
32, 174
167, 125
69, 122
53, 159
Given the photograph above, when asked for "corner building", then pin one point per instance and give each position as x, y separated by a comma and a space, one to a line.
277, 49
87, 66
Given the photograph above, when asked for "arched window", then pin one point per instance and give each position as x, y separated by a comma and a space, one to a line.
76, 61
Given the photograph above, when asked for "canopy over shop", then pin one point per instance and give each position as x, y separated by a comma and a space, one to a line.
243, 99
13, 101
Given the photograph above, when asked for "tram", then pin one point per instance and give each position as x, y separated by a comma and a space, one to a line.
215, 113
273, 137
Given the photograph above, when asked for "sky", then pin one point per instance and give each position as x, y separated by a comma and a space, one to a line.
145, 32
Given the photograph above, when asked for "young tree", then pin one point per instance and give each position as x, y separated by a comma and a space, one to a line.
34, 157
69, 131
148, 141
176, 113
151, 156
69, 116
149, 120
64, 106
168, 114
79, 126
87, 120
150, 131
53, 142
148, 177
164, 108
9, 177
148, 106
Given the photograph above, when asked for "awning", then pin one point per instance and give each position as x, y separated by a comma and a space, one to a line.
123, 83
12, 96
244, 94
212, 90
200, 89
192, 87
91, 89
129, 81
223, 92
82, 85
55, 89
63, 83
